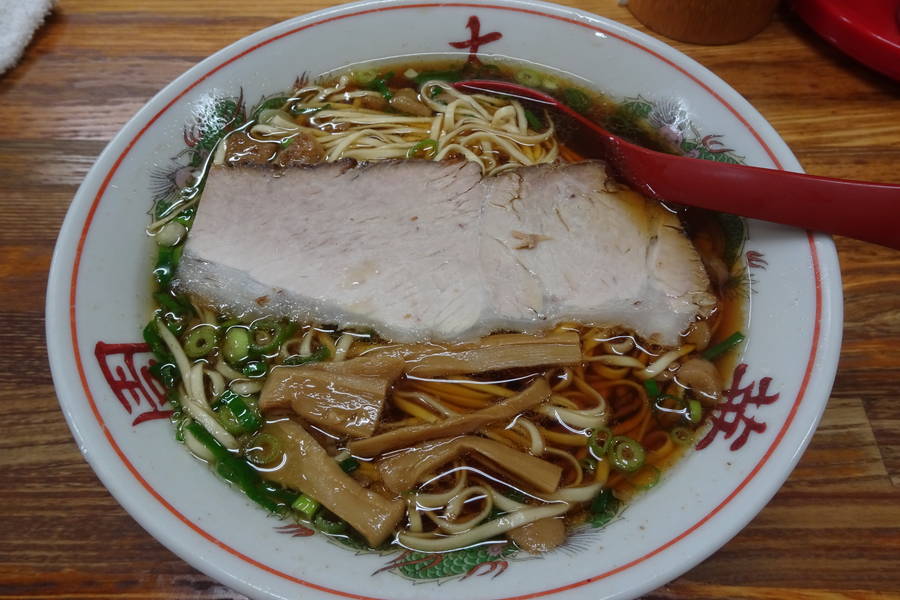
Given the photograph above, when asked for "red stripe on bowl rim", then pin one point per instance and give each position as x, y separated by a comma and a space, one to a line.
209, 537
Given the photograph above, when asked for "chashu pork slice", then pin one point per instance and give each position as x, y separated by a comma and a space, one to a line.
574, 246
391, 245
424, 250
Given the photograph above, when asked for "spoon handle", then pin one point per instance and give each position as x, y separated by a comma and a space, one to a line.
865, 211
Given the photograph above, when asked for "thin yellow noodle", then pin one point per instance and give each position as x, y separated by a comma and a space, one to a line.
609, 372
462, 406
564, 399
415, 410
457, 388
415, 519
573, 462
306, 344
490, 131
632, 422
626, 382
536, 439
488, 388
601, 474
456, 399
369, 118
514, 436
504, 436
373, 154
446, 152
343, 346
585, 387
436, 127
616, 360
564, 380
642, 430
654, 457
589, 340
502, 524
563, 439
664, 361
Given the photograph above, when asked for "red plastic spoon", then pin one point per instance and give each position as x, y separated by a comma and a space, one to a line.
865, 211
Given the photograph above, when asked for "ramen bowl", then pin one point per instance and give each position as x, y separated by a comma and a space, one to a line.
99, 290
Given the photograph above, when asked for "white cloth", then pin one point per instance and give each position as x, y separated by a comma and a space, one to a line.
19, 19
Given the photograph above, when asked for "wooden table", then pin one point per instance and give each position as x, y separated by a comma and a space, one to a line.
833, 531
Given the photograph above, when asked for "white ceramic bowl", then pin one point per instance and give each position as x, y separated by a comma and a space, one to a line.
99, 286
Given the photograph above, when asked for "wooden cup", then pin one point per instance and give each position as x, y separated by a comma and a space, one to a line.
705, 21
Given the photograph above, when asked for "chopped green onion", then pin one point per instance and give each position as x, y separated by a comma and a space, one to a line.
724, 346
200, 341
262, 449
318, 356
652, 388
166, 263
365, 77
287, 142
349, 464
271, 103
551, 85
176, 306
694, 412
528, 77
427, 148
266, 336
682, 436
186, 216
165, 373
306, 506
179, 422
533, 121
576, 99
326, 524
380, 85
236, 347
156, 343
427, 76
226, 418
644, 478
164, 370
599, 442
255, 368
245, 414
604, 508
280, 494
626, 454
233, 469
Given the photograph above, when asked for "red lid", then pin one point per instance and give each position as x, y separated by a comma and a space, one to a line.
867, 30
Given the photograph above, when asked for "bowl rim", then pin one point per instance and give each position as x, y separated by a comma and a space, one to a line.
61, 320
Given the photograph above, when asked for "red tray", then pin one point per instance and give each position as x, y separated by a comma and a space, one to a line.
867, 30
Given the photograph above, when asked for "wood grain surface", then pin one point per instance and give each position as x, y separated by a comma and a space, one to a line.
832, 532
